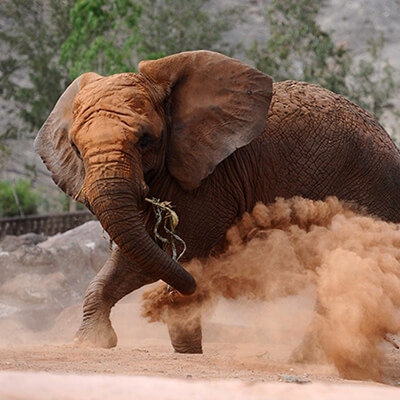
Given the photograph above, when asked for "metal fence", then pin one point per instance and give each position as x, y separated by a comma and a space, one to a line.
48, 224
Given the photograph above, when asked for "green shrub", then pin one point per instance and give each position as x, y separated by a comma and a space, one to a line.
18, 198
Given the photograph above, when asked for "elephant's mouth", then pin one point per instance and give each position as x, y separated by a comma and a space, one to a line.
150, 175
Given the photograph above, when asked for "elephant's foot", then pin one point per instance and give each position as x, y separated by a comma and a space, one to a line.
188, 350
96, 334
185, 331
309, 351
187, 344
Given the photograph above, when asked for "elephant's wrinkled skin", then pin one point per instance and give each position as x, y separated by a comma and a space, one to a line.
192, 128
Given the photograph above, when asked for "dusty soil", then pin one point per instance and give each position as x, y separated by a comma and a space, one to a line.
244, 358
231, 350
218, 362
42, 386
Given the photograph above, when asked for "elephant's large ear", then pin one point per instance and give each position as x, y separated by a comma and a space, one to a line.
216, 105
53, 142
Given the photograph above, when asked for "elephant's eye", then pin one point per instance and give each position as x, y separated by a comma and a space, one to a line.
78, 153
144, 141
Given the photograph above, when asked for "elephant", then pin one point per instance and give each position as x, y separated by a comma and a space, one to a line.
214, 136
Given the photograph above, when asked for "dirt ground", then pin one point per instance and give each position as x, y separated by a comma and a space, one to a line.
219, 361
249, 351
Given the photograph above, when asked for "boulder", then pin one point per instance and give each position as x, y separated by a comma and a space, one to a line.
41, 276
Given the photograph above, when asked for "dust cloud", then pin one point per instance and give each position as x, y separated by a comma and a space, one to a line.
350, 261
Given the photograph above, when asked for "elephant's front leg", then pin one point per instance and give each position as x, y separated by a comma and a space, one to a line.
118, 277
184, 327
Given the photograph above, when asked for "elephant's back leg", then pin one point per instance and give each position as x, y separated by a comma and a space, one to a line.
118, 277
370, 175
377, 192
326, 145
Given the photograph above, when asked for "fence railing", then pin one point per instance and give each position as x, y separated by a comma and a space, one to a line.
48, 224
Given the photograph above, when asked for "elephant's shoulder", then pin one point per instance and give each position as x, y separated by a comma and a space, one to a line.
300, 106
291, 97
294, 101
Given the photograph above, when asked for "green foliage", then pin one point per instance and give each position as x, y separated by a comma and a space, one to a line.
31, 76
299, 49
107, 35
171, 26
103, 37
18, 199
372, 82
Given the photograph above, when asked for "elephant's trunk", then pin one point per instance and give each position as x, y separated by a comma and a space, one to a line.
115, 201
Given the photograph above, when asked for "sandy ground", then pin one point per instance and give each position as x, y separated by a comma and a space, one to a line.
235, 349
237, 344
35, 386
219, 361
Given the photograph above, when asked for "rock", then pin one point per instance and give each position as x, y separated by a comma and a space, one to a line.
31, 239
34, 288
11, 243
7, 310
294, 379
89, 236
42, 276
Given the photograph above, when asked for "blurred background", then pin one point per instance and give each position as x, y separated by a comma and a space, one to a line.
349, 47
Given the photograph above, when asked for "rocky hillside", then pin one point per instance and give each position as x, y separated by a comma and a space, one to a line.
352, 22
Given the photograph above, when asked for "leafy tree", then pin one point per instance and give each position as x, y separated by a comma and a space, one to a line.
299, 49
171, 26
103, 37
110, 36
18, 199
31, 76
372, 82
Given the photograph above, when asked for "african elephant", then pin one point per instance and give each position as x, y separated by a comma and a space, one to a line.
192, 128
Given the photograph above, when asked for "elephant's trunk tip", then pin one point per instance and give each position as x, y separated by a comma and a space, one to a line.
190, 286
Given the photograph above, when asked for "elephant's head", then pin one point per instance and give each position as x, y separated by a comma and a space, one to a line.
186, 112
